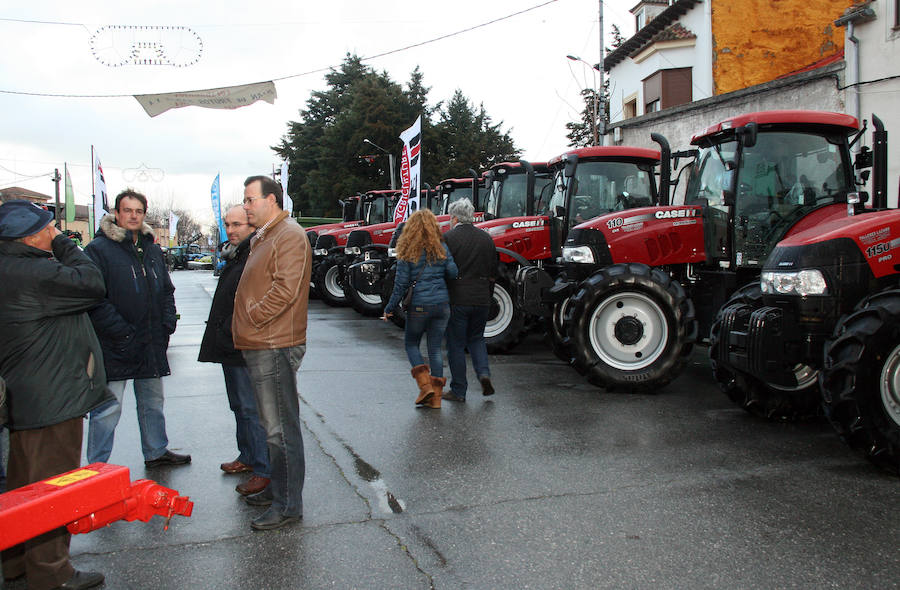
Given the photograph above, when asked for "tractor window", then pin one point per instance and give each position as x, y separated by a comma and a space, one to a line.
557, 193
437, 203
601, 187
349, 209
376, 211
710, 175
513, 196
780, 179
493, 197
543, 189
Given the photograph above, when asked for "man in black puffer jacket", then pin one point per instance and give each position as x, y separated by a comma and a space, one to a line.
217, 346
51, 361
133, 323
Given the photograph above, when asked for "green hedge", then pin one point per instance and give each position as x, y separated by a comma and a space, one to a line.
311, 221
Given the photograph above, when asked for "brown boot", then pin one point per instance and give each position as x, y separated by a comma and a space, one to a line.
422, 375
435, 401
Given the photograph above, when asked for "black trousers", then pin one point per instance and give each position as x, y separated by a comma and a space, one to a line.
34, 455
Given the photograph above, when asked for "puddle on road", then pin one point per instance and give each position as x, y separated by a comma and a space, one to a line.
387, 502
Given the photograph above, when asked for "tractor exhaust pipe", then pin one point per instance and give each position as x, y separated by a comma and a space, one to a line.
665, 167
879, 166
474, 176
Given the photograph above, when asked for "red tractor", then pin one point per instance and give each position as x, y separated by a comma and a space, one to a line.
822, 324
528, 214
377, 207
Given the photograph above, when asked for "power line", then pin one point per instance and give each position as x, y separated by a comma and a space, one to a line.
301, 74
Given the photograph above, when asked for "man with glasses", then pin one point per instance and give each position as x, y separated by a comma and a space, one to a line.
269, 328
133, 323
217, 346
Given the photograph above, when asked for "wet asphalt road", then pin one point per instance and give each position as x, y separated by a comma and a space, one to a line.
549, 484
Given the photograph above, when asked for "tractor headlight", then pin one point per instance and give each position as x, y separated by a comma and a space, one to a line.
321, 252
392, 252
803, 283
578, 254
351, 250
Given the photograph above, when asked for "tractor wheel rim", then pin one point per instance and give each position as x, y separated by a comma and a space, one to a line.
369, 299
502, 312
890, 385
628, 331
805, 375
331, 283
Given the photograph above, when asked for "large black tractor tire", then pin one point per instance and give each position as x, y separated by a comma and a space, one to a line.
766, 400
364, 303
328, 283
861, 379
632, 328
398, 318
367, 305
506, 323
558, 332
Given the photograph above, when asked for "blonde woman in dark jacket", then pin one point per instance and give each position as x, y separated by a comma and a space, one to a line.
424, 261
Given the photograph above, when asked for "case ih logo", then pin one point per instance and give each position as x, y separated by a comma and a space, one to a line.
532, 223
677, 213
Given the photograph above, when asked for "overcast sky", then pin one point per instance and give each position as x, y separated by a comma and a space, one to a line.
516, 67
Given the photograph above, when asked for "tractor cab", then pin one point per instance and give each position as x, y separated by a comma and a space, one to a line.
379, 206
593, 181
453, 189
755, 176
516, 189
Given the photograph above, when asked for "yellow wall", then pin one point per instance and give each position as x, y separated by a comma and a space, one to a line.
755, 41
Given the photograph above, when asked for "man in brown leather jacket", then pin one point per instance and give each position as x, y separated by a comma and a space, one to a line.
269, 328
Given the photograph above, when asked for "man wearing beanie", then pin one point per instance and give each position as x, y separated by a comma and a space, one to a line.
51, 361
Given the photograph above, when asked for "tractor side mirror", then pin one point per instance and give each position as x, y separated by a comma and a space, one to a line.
748, 134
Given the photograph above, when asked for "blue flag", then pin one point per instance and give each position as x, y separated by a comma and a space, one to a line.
217, 209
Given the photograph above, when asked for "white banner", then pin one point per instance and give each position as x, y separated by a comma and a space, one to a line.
173, 227
101, 206
229, 97
288, 202
410, 171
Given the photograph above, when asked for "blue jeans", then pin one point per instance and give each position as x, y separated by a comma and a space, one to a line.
466, 330
430, 320
273, 374
251, 438
148, 393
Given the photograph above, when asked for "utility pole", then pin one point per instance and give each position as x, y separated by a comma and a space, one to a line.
601, 122
56, 178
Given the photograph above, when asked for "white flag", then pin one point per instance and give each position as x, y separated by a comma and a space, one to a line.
101, 207
173, 227
288, 202
410, 171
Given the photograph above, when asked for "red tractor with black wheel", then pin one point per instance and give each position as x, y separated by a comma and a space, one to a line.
822, 325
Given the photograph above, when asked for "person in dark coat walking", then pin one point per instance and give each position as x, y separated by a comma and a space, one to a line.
133, 323
217, 346
470, 299
53, 367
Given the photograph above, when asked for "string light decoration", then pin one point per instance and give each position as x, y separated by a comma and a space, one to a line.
143, 173
143, 45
